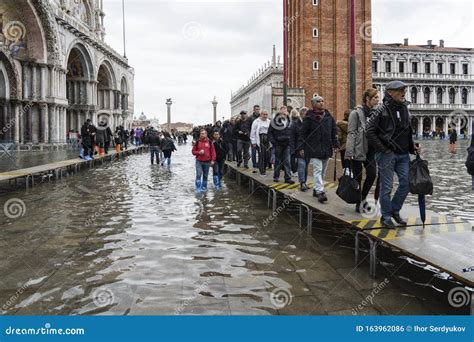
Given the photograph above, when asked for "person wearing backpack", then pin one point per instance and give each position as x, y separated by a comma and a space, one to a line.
358, 151
205, 154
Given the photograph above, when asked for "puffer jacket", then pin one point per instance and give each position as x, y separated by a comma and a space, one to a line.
318, 135
357, 145
279, 133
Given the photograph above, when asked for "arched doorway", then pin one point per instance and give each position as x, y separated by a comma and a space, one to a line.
78, 88
415, 126
108, 97
427, 125
3, 104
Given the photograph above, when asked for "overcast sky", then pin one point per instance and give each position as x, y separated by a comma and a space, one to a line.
194, 50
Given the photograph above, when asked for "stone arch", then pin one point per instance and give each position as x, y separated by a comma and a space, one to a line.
107, 92
45, 15
10, 75
85, 56
124, 93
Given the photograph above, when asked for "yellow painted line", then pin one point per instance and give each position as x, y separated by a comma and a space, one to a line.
412, 221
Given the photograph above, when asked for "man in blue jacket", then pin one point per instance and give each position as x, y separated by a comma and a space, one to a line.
279, 134
318, 142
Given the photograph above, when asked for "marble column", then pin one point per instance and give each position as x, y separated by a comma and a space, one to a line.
44, 123
52, 123
433, 123
16, 129
446, 124
43, 83
34, 82
469, 125
25, 80
79, 120
420, 126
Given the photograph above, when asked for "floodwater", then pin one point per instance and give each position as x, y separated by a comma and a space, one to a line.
129, 238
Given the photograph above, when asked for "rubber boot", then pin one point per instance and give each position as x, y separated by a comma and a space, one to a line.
81, 153
198, 186
204, 186
216, 181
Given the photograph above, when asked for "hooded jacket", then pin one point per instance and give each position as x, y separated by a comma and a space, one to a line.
318, 135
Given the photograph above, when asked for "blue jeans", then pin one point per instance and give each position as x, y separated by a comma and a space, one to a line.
202, 170
320, 167
388, 164
254, 157
282, 160
218, 169
155, 151
302, 170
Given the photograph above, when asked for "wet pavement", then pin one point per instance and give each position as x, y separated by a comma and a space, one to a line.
20, 160
129, 238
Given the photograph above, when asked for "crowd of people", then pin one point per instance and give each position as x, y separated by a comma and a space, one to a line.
96, 140
375, 137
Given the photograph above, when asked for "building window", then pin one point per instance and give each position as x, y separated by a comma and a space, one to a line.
388, 66
315, 65
401, 66
414, 95
464, 96
315, 2
427, 68
440, 68
452, 96
315, 33
452, 68
439, 96
375, 66
464, 69
414, 67
427, 93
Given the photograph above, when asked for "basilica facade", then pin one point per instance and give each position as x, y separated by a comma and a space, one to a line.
56, 71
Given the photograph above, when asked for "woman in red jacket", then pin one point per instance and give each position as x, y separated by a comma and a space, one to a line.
205, 154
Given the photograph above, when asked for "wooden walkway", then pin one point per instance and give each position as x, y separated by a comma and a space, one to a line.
55, 170
444, 242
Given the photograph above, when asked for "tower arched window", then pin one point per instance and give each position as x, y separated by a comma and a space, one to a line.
464, 96
439, 96
427, 94
414, 95
452, 96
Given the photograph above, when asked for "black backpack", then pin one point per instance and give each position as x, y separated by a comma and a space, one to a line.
470, 160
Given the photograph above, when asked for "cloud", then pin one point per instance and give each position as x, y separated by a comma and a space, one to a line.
194, 50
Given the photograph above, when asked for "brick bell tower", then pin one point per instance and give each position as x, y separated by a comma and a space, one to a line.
319, 50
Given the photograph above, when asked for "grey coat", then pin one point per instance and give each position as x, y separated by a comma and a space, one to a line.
357, 144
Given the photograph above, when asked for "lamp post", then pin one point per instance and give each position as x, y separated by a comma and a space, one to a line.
169, 103
214, 103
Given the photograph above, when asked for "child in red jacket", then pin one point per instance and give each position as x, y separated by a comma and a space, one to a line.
205, 154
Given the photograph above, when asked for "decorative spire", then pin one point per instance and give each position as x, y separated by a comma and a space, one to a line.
274, 56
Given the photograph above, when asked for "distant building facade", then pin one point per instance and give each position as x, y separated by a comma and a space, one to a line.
144, 122
56, 71
265, 89
440, 82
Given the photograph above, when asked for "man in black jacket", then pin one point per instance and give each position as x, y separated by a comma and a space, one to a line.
317, 142
279, 134
152, 138
389, 131
242, 129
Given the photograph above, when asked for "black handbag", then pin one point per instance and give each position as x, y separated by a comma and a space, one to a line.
420, 179
349, 189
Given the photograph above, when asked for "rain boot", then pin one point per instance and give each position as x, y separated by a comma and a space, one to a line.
198, 186
216, 182
81, 153
204, 186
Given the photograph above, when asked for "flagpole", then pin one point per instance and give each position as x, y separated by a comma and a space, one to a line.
123, 18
